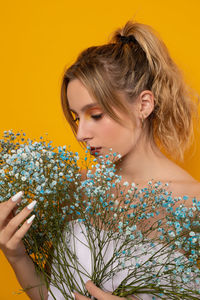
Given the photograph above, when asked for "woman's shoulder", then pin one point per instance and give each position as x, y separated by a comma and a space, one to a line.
188, 187
182, 183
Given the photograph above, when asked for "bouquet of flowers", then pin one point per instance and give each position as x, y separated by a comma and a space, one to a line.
126, 240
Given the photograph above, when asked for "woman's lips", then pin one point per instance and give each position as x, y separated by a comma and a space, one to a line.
94, 150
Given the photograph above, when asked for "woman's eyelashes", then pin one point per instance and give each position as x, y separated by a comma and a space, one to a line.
95, 117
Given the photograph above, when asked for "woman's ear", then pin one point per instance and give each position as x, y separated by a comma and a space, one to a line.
146, 104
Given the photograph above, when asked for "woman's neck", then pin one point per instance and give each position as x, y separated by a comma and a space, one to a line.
146, 162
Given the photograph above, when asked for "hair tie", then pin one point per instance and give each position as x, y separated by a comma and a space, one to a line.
127, 39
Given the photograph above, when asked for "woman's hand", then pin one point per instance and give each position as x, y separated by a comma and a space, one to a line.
98, 293
10, 236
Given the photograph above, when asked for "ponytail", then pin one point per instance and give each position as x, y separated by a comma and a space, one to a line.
136, 59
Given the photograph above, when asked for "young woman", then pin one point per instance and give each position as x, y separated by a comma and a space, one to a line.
130, 96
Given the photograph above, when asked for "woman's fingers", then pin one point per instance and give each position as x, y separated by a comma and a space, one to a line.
10, 233
7, 207
17, 237
98, 293
80, 297
14, 223
94, 290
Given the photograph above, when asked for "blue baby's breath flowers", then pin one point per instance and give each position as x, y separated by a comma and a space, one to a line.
147, 229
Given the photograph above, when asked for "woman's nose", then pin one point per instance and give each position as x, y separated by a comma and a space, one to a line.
83, 133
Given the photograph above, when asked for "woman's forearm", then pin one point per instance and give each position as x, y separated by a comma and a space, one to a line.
27, 276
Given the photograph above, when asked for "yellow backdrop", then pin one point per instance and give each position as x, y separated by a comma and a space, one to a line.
39, 38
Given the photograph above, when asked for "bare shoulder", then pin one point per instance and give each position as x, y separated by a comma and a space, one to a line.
182, 183
189, 188
194, 189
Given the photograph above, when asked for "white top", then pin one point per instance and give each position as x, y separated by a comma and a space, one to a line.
78, 242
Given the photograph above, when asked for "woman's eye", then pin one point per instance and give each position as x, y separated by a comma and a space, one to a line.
96, 117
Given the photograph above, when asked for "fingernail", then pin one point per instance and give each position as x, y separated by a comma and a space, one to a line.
32, 204
17, 196
30, 219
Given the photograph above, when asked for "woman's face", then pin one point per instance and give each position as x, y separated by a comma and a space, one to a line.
95, 127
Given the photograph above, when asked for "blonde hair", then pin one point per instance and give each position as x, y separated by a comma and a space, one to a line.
131, 68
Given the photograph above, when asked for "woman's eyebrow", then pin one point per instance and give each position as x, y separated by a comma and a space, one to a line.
84, 108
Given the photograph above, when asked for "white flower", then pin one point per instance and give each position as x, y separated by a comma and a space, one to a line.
192, 233
128, 232
24, 155
19, 151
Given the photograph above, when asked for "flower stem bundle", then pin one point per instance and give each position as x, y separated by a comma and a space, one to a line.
126, 240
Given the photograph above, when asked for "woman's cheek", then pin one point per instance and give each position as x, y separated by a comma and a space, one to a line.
110, 130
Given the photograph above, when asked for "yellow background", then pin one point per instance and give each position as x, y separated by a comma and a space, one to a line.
38, 38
